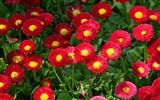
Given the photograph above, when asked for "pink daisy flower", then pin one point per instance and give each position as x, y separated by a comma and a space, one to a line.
98, 98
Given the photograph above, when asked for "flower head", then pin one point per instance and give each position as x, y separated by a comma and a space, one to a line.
4, 26
64, 29
43, 93
73, 11
33, 12
81, 18
14, 72
58, 58
140, 69
27, 46
43, 21
5, 83
121, 37
111, 51
15, 57
156, 87
71, 55
33, 62
154, 64
53, 41
16, 21
32, 27
139, 14
122, 1
144, 93
84, 52
29, 2
153, 15
125, 90
143, 32
102, 10
48, 17
9, 2
46, 82
97, 65
83, 1
98, 98
6, 96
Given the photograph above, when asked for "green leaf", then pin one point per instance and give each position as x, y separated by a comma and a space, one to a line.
64, 96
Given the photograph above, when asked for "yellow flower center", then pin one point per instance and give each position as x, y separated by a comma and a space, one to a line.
1, 84
34, 13
110, 51
76, 12
71, 55
63, 31
155, 64
138, 14
2, 26
42, 23
84, 1
153, 17
158, 48
44, 96
102, 11
18, 22
125, 89
83, 20
140, 70
84, 52
33, 64
32, 28
58, 58
55, 44
143, 33
27, 47
14, 74
97, 65
17, 59
120, 40
86, 33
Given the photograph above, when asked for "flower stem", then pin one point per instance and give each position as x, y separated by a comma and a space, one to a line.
20, 35
90, 87
60, 80
35, 77
123, 64
72, 77
4, 46
145, 52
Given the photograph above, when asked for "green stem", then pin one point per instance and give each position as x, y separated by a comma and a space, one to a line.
145, 52
60, 80
4, 46
123, 64
102, 28
20, 35
35, 76
66, 82
91, 85
72, 77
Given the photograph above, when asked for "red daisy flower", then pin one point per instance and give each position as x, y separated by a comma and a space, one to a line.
125, 90
33, 12
27, 46
58, 58
4, 26
15, 57
102, 10
122, 1
153, 64
32, 27
154, 48
5, 83
43, 93
81, 18
98, 98
49, 17
111, 51
14, 72
92, 23
84, 52
16, 21
83, 1
73, 11
97, 65
12, 1
86, 33
153, 15
6, 96
121, 37
29, 2
156, 87
66, 44
53, 41
144, 93
43, 21
140, 69
71, 56
33, 62
139, 14
46, 82
155, 98
64, 29
143, 32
